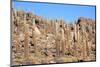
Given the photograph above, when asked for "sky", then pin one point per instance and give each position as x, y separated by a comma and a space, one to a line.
67, 12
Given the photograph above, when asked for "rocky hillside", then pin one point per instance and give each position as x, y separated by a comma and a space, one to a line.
37, 40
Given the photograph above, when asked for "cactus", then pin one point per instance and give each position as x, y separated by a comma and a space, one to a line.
26, 48
84, 43
68, 36
87, 44
34, 37
78, 40
26, 41
75, 41
58, 47
63, 42
57, 41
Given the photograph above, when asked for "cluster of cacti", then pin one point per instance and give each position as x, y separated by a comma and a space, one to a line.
36, 40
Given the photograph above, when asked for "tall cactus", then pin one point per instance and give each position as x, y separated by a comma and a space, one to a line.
68, 36
84, 43
57, 41
78, 40
26, 41
26, 46
87, 44
75, 41
34, 37
63, 41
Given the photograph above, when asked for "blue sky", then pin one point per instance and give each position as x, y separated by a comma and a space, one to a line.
69, 13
